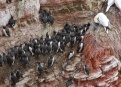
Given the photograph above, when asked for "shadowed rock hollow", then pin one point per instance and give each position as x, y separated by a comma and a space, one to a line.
101, 50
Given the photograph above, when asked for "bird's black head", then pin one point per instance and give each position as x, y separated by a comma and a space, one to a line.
4, 27
12, 73
11, 17
66, 24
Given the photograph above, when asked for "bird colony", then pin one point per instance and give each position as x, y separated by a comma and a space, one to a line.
50, 45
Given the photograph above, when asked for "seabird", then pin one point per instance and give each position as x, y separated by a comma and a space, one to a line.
118, 4
8, 1
50, 61
109, 4
102, 19
1, 61
40, 68
69, 82
87, 70
6, 32
18, 74
80, 46
71, 54
11, 22
13, 79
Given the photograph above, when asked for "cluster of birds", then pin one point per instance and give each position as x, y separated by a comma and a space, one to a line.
56, 43
11, 24
46, 46
15, 77
45, 17
101, 18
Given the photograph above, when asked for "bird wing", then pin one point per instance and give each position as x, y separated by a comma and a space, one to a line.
118, 3
109, 4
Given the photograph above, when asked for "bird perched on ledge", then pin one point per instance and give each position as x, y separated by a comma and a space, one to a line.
8, 1
6, 31
118, 4
102, 19
109, 4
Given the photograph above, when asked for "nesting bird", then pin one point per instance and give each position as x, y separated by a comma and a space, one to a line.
51, 61
11, 22
8, 1
45, 17
6, 31
18, 74
71, 54
40, 68
109, 4
80, 47
118, 4
102, 19
1, 61
50, 18
13, 79
10, 58
87, 70
69, 82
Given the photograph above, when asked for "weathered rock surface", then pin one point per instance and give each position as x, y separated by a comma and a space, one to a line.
100, 49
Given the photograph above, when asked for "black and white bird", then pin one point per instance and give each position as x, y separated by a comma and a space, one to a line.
109, 4
8, 1
13, 79
4, 58
102, 19
67, 27
80, 38
6, 32
73, 41
86, 26
50, 18
80, 47
25, 61
51, 61
1, 60
71, 54
87, 69
69, 82
10, 58
37, 51
43, 16
18, 74
11, 22
40, 68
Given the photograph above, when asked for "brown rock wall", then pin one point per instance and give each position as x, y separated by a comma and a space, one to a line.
100, 49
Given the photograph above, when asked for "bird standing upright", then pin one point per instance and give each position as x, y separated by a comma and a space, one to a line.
6, 32
109, 4
118, 4
102, 19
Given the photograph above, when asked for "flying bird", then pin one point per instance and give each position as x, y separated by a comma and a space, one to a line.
102, 19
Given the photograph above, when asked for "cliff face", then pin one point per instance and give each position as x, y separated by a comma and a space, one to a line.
101, 51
